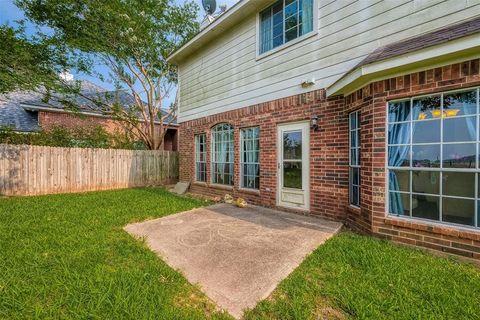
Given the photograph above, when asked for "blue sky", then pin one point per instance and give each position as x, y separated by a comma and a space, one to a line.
9, 13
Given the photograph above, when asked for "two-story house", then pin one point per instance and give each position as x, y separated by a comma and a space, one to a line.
361, 111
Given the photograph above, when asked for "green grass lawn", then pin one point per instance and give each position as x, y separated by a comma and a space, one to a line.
359, 277
66, 256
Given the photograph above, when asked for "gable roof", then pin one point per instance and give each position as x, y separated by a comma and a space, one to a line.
443, 44
235, 14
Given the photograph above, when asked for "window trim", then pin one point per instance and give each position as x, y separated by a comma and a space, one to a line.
440, 170
359, 165
212, 156
196, 157
314, 32
241, 186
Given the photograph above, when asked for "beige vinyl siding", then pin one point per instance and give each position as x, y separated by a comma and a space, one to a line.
226, 74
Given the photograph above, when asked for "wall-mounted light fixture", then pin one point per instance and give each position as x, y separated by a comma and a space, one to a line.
314, 122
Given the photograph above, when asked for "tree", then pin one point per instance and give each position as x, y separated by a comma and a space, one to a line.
27, 63
131, 39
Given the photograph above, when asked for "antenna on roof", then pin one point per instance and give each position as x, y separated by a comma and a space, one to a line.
210, 6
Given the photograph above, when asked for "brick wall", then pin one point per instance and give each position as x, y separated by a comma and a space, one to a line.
328, 150
373, 99
47, 119
329, 155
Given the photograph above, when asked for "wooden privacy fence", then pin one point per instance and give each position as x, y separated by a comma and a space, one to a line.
31, 170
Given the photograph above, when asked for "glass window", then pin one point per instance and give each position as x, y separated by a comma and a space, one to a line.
201, 157
250, 158
433, 157
284, 21
354, 183
222, 154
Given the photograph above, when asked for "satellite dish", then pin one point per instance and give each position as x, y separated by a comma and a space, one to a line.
210, 6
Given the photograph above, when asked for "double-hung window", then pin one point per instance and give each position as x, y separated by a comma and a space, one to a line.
284, 21
249, 158
433, 151
201, 157
354, 175
222, 154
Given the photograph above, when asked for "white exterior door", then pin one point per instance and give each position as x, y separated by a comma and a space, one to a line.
293, 141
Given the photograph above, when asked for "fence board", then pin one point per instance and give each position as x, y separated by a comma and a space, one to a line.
32, 170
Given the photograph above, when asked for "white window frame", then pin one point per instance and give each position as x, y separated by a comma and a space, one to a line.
197, 155
314, 32
350, 165
242, 150
213, 152
440, 169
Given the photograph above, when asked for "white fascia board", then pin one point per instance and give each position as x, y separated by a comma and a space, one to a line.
445, 53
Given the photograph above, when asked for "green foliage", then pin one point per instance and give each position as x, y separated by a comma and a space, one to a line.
360, 277
132, 40
27, 63
67, 257
82, 137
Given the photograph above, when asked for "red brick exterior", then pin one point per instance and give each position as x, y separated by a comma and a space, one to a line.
48, 119
329, 155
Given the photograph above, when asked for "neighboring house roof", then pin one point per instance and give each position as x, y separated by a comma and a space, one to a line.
18, 110
421, 43
12, 115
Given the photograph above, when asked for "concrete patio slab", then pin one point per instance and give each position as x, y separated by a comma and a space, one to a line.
237, 256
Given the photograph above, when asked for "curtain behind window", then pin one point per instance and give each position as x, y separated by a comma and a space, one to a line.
266, 43
307, 16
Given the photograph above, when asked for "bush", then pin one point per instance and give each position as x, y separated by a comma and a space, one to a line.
59, 136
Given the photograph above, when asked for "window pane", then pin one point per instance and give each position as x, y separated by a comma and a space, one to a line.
460, 184
426, 156
426, 207
399, 133
399, 111
426, 182
399, 203
426, 131
292, 175
458, 211
460, 129
459, 155
460, 103
353, 121
427, 108
399, 156
355, 176
291, 34
292, 145
399, 180
355, 196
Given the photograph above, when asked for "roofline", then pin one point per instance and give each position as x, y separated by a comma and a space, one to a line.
27, 106
456, 50
202, 32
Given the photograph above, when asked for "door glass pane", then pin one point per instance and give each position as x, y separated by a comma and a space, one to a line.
292, 145
426, 182
426, 207
460, 211
459, 155
292, 175
426, 156
460, 184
